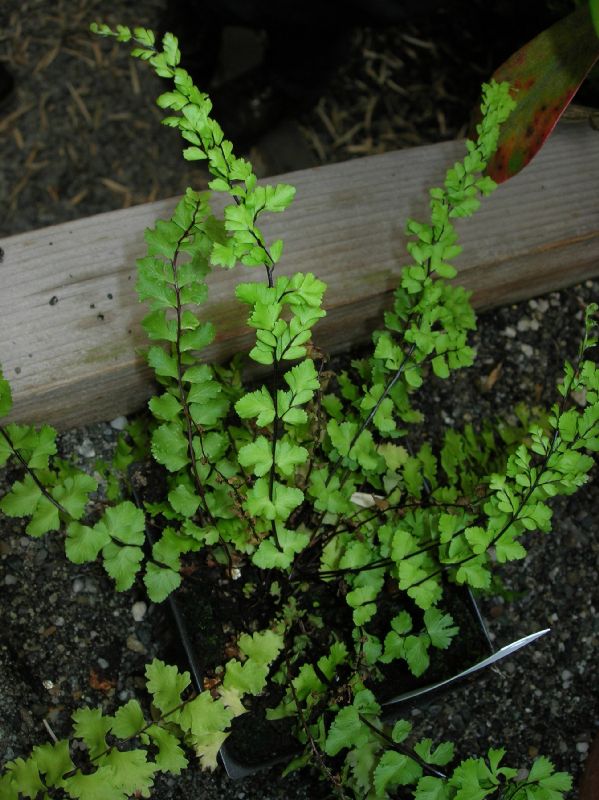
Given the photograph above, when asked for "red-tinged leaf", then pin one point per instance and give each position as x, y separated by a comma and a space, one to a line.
544, 75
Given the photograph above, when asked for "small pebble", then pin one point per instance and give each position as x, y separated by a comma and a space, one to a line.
138, 610
510, 332
59, 622
86, 449
78, 745
135, 645
566, 676
119, 423
102, 663
523, 324
78, 585
582, 747
527, 350
10, 580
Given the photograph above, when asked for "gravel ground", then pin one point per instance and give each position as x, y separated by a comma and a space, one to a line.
82, 136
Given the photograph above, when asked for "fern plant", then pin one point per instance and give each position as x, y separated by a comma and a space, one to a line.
312, 483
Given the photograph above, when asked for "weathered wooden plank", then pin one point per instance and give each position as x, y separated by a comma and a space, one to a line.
69, 319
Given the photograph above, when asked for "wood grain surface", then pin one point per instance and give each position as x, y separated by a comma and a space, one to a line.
70, 336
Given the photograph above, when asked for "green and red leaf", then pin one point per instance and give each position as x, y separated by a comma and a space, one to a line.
544, 75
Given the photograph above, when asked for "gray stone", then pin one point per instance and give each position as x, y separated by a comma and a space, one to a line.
119, 423
138, 610
86, 449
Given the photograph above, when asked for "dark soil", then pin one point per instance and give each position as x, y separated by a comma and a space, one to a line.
81, 135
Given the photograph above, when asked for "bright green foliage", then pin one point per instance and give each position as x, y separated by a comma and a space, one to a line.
262, 647
400, 643
161, 580
166, 685
441, 755
393, 770
118, 536
479, 778
50, 494
258, 405
318, 480
260, 650
204, 721
308, 684
5, 396
377, 757
200, 722
47, 766
169, 756
281, 554
347, 729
